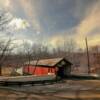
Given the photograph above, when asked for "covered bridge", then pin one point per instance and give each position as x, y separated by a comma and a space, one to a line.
56, 66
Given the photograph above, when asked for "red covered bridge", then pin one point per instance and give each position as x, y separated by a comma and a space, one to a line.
56, 66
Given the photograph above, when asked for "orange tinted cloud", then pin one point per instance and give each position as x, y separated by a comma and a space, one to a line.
90, 23
29, 9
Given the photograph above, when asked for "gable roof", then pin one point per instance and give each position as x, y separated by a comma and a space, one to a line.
48, 62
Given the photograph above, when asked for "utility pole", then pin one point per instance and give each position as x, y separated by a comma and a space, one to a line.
88, 58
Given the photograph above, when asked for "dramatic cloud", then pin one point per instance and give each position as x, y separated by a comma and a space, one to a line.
89, 26
9, 22
54, 21
6, 4
91, 22
32, 14
56, 41
18, 24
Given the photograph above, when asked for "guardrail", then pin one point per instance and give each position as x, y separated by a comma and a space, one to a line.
24, 80
7, 83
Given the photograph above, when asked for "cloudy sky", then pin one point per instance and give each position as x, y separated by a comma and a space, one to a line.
53, 21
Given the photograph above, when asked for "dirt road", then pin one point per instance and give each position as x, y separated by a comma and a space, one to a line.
67, 90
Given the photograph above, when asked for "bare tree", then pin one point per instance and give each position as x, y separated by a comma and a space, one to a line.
28, 52
69, 46
95, 57
4, 50
5, 18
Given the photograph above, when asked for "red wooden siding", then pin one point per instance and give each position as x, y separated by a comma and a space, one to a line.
38, 70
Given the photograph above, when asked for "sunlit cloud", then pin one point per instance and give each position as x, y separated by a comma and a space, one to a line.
10, 24
32, 14
6, 4
52, 19
94, 40
18, 24
56, 41
89, 24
